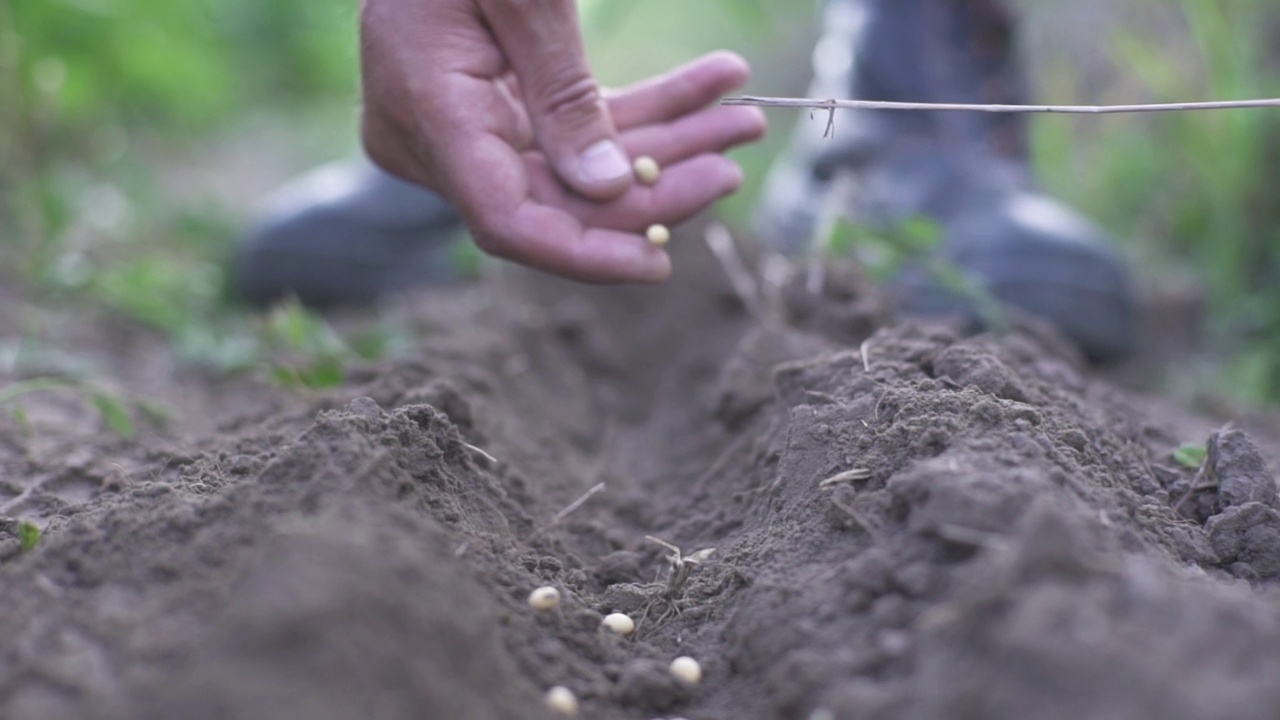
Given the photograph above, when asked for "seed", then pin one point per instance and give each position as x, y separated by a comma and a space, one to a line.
561, 700
658, 234
544, 598
619, 623
687, 669
647, 169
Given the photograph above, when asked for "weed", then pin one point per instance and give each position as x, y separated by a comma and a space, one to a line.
681, 566
28, 535
1190, 455
116, 412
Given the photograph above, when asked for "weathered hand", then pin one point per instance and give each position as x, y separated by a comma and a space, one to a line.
492, 104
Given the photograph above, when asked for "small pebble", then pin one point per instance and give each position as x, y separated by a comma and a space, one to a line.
619, 623
544, 598
561, 700
687, 669
658, 234
647, 169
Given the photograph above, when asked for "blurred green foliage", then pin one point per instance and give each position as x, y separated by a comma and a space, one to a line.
188, 64
1190, 191
95, 95
95, 90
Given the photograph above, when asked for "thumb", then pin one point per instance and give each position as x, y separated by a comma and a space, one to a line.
542, 41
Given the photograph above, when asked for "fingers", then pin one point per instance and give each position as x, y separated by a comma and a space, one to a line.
542, 42
548, 239
508, 219
681, 91
685, 189
713, 130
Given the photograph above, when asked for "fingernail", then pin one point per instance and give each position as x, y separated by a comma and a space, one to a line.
603, 162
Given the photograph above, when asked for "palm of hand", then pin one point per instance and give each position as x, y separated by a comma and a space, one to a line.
451, 115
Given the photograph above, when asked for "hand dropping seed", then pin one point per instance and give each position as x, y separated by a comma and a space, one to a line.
619, 623
544, 598
687, 669
658, 235
647, 169
562, 701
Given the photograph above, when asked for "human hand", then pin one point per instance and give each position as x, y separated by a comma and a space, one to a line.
492, 104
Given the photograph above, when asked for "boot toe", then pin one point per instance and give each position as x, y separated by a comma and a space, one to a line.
1041, 257
346, 235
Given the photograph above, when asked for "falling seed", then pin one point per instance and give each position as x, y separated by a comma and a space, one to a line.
561, 700
544, 598
647, 169
687, 669
619, 623
658, 234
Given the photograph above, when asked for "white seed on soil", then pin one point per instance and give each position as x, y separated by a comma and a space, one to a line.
619, 623
687, 669
647, 169
562, 701
658, 234
544, 598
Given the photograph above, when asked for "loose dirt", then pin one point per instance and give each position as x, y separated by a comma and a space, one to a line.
904, 523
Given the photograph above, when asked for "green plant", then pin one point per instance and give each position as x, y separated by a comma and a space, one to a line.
1190, 455
884, 253
28, 535
305, 352
117, 413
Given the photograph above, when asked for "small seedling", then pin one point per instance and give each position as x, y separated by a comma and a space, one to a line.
562, 701
687, 669
647, 170
544, 598
681, 566
113, 410
658, 234
1190, 455
28, 535
114, 414
619, 623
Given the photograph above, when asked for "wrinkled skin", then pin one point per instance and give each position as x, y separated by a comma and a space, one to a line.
492, 104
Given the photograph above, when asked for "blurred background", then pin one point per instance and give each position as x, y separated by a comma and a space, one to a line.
138, 137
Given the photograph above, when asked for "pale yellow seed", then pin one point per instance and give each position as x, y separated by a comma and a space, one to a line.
658, 234
544, 598
647, 169
561, 700
687, 669
619, 623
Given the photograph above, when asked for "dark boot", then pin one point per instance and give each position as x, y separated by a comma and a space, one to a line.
968, 172
345, 235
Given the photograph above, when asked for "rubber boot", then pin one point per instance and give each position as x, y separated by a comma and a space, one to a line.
344, 235
967, 172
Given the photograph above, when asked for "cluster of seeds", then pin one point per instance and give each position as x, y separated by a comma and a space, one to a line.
647, 171
560, 699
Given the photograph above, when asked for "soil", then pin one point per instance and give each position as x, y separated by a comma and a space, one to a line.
905, 523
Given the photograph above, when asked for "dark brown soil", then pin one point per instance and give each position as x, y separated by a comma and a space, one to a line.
1016, 540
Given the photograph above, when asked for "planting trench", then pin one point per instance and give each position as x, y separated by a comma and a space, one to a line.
998, 535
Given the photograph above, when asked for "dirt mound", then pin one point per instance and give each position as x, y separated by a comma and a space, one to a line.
875, 519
